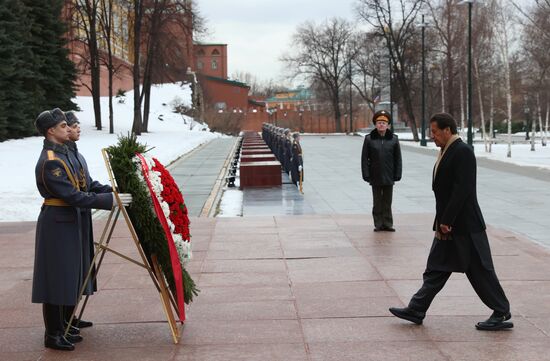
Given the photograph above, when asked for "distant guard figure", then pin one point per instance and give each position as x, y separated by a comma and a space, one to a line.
87, 184
59, 249
381, 167
287, 151
297, 162
460, 243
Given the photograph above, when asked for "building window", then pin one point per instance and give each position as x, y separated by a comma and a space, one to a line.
220, 106
215, 52
214, 64
200, 52
199, 64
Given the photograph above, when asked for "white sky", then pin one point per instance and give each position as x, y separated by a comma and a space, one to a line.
258, 32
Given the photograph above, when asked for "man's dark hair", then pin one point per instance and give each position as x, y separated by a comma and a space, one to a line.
444, 120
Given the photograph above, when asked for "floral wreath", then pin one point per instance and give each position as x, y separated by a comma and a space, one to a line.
171, 211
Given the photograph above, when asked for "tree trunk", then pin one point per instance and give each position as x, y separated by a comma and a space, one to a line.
146, 102
480, 98
136, 127
442, 90
462, 105
491, 117
408, 105
547, 116
450, 84
337, 113
539, 114
533, 134
95, 72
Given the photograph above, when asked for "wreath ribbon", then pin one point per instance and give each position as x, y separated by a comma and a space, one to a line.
174, 258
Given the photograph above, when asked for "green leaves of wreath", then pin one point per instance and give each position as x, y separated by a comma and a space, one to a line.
147, 226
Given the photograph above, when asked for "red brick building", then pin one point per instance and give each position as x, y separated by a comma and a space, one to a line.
211, 59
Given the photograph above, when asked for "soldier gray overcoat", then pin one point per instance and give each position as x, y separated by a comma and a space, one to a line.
58, 249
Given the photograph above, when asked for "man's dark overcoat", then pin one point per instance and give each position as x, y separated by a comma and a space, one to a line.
454, 186
87, 184
381, 163
59, 248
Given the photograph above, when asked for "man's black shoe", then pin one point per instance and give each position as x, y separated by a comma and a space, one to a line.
74, 338
408, 314
82, 323
496, 323
57, 342
377, 229
389, 229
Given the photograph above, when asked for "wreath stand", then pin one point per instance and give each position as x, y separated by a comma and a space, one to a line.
152, 267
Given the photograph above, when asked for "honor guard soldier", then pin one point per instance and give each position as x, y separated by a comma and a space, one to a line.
58, 256
87, 184
297, 168
287, 151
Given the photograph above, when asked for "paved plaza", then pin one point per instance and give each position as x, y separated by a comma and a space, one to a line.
304, 277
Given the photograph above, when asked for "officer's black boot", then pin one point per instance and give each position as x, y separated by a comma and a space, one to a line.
74, 333
53, 320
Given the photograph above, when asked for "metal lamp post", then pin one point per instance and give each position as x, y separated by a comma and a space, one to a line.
470, 134
423, 130
350, 100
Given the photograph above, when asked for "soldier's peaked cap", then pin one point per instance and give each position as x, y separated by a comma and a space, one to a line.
381, 115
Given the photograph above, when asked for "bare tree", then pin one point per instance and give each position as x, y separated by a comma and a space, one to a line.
502, 23
322, 55
398, 36
450, 28
137, 10
482, 56
86, 14
107, 25
367, 68
536, 44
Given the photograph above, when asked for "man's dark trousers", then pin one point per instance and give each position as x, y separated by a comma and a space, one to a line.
381, 206
484, 282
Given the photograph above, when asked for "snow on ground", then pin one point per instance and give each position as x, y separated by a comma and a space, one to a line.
521, 152
172, 137
231, 203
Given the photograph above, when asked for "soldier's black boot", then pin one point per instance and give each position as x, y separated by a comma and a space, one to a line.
74, 332
53, 320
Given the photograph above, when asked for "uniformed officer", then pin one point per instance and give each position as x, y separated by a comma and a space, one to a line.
59, 249
297, 163
87, 184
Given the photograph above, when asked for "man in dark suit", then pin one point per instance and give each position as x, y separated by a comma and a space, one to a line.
460, 243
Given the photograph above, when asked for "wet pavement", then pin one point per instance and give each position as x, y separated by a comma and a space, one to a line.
313, 287
511, 197
305, 277
197, 173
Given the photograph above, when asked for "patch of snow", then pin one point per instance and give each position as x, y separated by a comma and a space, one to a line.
231, 203
171, 134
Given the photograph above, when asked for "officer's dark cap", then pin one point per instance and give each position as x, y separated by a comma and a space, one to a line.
71, 118
49, 119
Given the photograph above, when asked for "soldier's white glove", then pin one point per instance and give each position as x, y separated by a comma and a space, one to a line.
300, 168
125, 198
